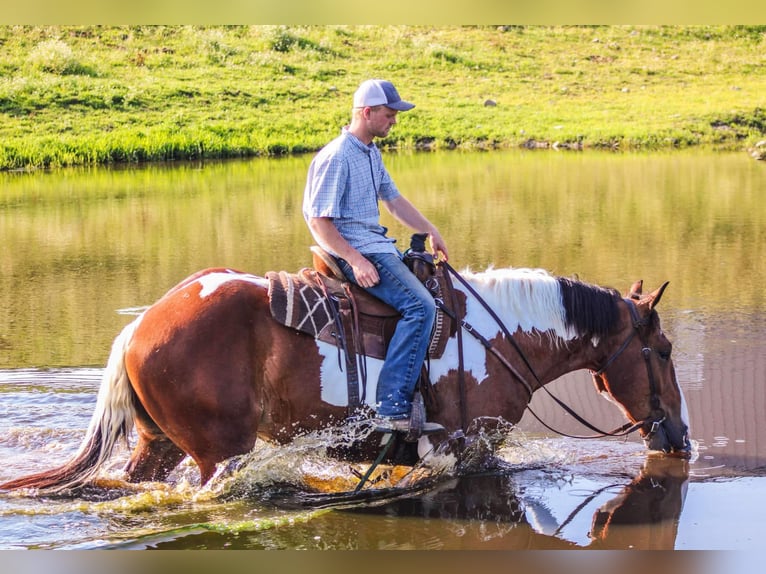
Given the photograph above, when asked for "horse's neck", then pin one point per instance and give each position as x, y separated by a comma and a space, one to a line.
531, 312
548, 356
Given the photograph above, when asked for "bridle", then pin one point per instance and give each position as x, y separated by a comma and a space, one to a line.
638, 323
646, 350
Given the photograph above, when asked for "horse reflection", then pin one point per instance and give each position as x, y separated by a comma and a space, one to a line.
494, 511
645, 514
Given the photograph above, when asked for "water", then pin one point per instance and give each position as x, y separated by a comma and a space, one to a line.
84, 249
546, 492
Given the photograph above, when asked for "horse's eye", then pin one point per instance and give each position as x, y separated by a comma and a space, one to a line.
664, 355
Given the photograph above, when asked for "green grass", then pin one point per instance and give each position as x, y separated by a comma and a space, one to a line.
74, 95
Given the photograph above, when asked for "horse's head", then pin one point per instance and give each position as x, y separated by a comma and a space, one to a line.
638, 373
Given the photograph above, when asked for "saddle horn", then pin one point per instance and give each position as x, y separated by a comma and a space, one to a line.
420, 262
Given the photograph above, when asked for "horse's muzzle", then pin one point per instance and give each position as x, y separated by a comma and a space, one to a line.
662, 437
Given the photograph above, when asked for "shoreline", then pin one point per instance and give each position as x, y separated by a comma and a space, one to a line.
108, 95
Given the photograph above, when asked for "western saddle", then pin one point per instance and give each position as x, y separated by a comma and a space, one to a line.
323, 303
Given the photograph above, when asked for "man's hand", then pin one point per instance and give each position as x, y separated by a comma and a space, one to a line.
438, 246
406, 213
365, 273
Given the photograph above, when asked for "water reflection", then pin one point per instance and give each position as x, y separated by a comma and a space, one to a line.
645, 515
80, 244
495, 511
491, 511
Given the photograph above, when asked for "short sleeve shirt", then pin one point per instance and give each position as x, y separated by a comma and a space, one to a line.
346, 179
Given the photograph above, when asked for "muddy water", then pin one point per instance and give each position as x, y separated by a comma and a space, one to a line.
83, 249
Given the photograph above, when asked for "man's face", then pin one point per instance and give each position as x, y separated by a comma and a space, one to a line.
380, 121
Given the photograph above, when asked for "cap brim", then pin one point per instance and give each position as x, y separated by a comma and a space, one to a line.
400, 106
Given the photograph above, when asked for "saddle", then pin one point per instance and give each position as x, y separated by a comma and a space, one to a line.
321, 302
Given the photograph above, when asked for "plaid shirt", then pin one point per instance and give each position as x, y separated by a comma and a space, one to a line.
345, 181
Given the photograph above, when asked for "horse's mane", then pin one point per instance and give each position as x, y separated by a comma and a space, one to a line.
533, 299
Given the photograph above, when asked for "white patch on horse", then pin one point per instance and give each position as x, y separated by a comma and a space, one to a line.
211, 282
525, 299
684, 411
333, 381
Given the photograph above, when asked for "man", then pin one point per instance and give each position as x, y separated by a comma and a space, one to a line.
346, 180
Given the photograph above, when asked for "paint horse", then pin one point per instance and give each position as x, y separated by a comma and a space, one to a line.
207, 369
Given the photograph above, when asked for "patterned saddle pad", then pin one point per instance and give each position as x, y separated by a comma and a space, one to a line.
309, 302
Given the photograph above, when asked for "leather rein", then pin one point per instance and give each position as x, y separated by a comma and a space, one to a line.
638, 323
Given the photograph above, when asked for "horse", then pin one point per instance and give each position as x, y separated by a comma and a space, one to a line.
206, 370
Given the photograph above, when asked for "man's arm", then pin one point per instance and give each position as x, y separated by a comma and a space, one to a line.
404, 212
328, 237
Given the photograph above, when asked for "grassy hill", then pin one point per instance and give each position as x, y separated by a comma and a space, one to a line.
75, 95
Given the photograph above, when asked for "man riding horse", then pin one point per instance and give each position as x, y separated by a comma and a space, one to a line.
345, 182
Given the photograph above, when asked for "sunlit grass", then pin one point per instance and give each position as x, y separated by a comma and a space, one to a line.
74, 95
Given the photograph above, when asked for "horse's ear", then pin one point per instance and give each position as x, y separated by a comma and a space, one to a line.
655, 297
635, 290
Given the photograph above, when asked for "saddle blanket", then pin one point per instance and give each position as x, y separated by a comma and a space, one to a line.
298, 302
302, 301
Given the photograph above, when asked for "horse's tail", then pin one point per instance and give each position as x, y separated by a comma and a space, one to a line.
111, 421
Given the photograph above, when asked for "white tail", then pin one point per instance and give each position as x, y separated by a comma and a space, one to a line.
111, 420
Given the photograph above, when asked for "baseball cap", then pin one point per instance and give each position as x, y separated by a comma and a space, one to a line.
380, 93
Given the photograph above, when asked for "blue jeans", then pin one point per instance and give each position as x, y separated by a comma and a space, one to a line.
407, 350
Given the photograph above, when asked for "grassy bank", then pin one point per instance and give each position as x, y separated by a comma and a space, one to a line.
95, 95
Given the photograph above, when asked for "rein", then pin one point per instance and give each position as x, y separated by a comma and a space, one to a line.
624, 430
654, 399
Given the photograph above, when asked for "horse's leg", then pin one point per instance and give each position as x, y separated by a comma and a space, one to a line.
155, 455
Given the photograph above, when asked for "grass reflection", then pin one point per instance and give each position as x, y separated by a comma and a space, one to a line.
80, 244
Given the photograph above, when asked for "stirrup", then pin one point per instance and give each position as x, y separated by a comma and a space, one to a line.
413, 427
405, 426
